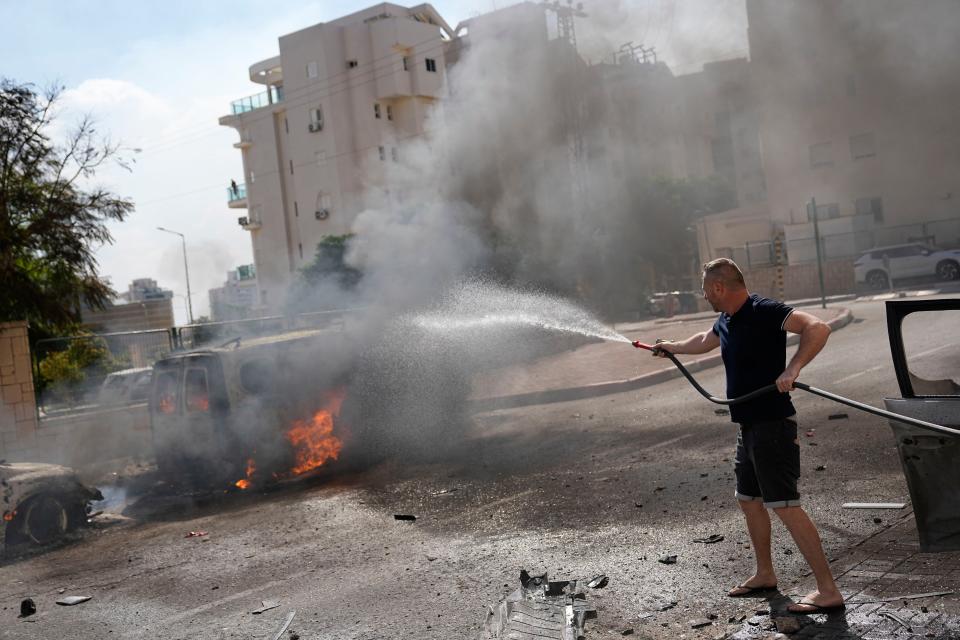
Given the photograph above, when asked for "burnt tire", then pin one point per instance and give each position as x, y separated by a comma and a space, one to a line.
948, 270
878, 280
43, 519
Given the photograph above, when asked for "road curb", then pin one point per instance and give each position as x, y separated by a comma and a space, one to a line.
619, 386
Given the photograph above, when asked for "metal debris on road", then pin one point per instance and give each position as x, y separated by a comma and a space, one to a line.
405, 517
713, 538
892, 616
265, 605
444, 492
912, 596
69, 601
700, 623
599, 582
837, 416
27, 607
820, 467
787, 624
667, 559
283, 627
195, 534
655, 603
874, 505
539, 609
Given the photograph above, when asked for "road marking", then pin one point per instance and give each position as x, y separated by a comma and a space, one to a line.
857, 374
666, 443
930, 351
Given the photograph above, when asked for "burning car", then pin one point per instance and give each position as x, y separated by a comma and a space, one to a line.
251, 410
42, 502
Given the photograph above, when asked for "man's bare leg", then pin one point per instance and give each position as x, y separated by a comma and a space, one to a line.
758, 525
805, 534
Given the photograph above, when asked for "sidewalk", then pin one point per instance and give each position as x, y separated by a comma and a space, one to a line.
880, 577
607, 367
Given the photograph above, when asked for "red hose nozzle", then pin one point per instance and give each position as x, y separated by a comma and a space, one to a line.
642, 345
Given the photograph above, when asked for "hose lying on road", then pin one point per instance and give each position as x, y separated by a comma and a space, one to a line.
805, 387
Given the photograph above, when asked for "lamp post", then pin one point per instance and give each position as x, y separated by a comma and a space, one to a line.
186, 269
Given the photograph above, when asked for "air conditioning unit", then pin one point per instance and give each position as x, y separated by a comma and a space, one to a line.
314, 127
323, 214
243, 221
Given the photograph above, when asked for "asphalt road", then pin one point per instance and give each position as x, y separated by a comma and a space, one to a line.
554, 488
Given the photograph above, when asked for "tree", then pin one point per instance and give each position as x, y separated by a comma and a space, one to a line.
327, 282
51, 221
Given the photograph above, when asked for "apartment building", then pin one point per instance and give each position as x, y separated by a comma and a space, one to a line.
145, 289
340, 100
857, 108
238, 298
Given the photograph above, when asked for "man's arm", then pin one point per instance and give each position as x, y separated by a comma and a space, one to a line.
813, 335
699, 343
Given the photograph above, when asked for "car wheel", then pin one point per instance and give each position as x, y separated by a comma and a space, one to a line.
878, 280
948, 270
45, 519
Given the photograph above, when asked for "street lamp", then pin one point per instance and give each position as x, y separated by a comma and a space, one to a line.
186, 269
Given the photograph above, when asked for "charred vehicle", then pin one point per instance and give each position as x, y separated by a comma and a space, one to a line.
252, 410
41, 502
925, 344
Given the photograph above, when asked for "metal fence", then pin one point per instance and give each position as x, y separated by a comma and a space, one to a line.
70, 371
943, 233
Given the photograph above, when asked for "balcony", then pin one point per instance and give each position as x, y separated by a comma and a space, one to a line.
271, 96
237, 196
249, 224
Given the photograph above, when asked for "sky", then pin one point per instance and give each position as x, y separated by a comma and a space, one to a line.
157, 76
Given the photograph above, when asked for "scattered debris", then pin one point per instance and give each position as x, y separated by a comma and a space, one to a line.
874, 505
539, 609
27, 607
702, 498
837, 416
924, 609
638, 505
892, 616
787, 624
405, 517
69, 601
195, 534
811, 432
736, 619
667, 559
294, 635
820, 467
444, 492
659, 488
431, 558
722, 412
877, 520
714, 537
700, 623
265, 605
627, 632
283, 627
599, 582
61, 591
912, 596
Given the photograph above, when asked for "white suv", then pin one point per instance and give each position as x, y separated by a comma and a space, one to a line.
880, 266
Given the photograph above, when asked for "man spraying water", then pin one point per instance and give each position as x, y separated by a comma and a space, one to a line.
751, 334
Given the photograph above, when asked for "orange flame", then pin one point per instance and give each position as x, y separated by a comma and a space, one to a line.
313, 442
244, 483
9, 515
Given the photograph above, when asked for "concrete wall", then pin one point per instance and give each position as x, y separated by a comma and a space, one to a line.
18, 406
801, 280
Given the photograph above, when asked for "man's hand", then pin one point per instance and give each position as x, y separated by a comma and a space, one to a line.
664, 346
786, 380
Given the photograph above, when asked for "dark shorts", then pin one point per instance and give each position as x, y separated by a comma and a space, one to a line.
768, 463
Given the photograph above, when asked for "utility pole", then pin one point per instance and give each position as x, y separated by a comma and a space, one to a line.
816, 238
186, 269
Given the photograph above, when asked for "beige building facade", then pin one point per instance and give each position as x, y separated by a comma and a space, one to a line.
341, 99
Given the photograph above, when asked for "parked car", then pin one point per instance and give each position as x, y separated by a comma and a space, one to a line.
670, 303
926, 359
125, 387
41, 502
881, 266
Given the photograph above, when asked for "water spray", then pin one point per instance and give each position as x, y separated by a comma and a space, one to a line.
797, 385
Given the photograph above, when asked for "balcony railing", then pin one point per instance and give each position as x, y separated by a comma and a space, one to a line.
257, 100
236, 193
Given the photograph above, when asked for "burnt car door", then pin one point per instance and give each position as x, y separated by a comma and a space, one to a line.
925, 345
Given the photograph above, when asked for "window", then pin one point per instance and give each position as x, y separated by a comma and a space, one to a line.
824, 211
431, 65
393, 154
166, 397
376, 110
406, 63
316, 119
196, 396
352, 64
383, 153
389, 112
821, 154
870, 207
862, 146
311, 69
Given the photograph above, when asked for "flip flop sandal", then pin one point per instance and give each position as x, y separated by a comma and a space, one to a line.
751, 592
815, 608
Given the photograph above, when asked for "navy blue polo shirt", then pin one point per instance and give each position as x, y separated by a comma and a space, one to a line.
753, 344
